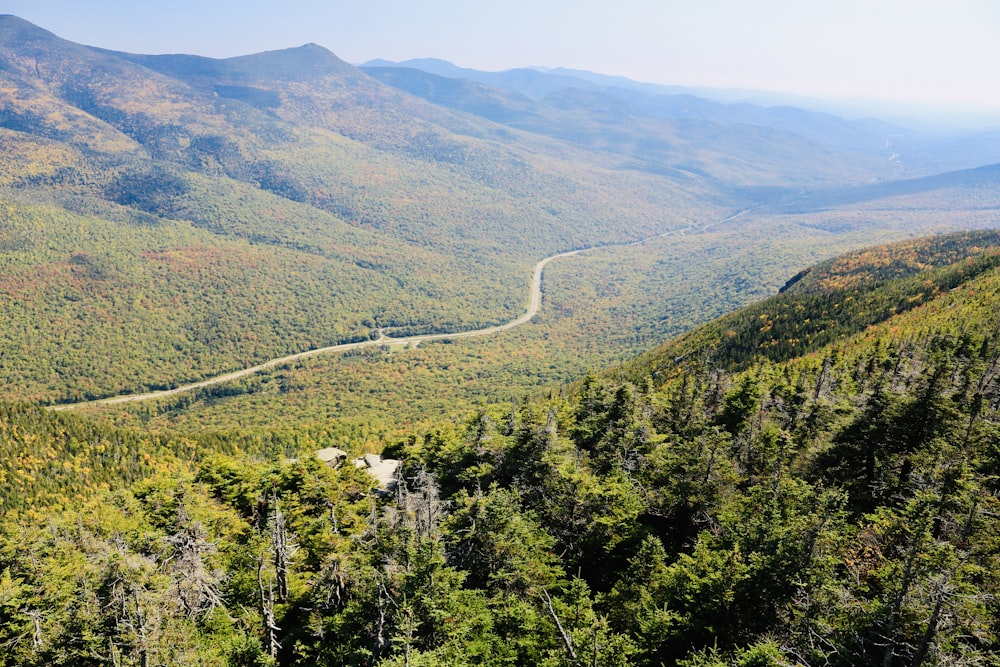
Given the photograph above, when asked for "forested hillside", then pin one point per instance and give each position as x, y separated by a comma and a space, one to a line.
756, 502
193, 216
600, 309
164, 219
831, 302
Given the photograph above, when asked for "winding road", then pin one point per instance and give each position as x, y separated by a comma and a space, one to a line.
534, 304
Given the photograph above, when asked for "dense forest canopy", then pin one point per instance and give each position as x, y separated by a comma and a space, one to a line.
833, 505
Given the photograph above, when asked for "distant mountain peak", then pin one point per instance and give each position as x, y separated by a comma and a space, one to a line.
15, 31
301, 62
9, 22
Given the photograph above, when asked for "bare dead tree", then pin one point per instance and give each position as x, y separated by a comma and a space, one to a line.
385, 599
196, 587
283, 548
418, 500
944, 589
138, 617
567, 640
270, 626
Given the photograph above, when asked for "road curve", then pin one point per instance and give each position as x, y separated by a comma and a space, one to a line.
534, 304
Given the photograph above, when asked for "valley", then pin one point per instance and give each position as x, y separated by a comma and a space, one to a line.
534, 303
600, 310
673, 380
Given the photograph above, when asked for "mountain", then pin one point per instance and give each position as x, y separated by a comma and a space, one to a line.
969, 180
823, 503
523, 81
811, 479
196, 191
569, 107
833, 302
171, 218
538, 82
915, 152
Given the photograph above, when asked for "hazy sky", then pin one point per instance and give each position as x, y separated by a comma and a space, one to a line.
943, 52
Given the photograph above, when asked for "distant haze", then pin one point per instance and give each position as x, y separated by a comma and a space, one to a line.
927, 54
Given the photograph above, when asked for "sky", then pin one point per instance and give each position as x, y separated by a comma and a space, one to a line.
937, 53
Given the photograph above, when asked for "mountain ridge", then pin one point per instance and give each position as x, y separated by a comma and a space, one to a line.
195, 189
863, 130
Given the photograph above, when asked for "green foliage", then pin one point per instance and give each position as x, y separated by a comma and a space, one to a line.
812, 480
166, 219
155, 230
834, 301
51, 462
835, 508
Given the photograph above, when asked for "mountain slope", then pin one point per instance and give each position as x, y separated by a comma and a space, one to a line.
169, 218
810, 509
834, 508
831, 303
301, 162
985, 177
910, 152
663, 134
